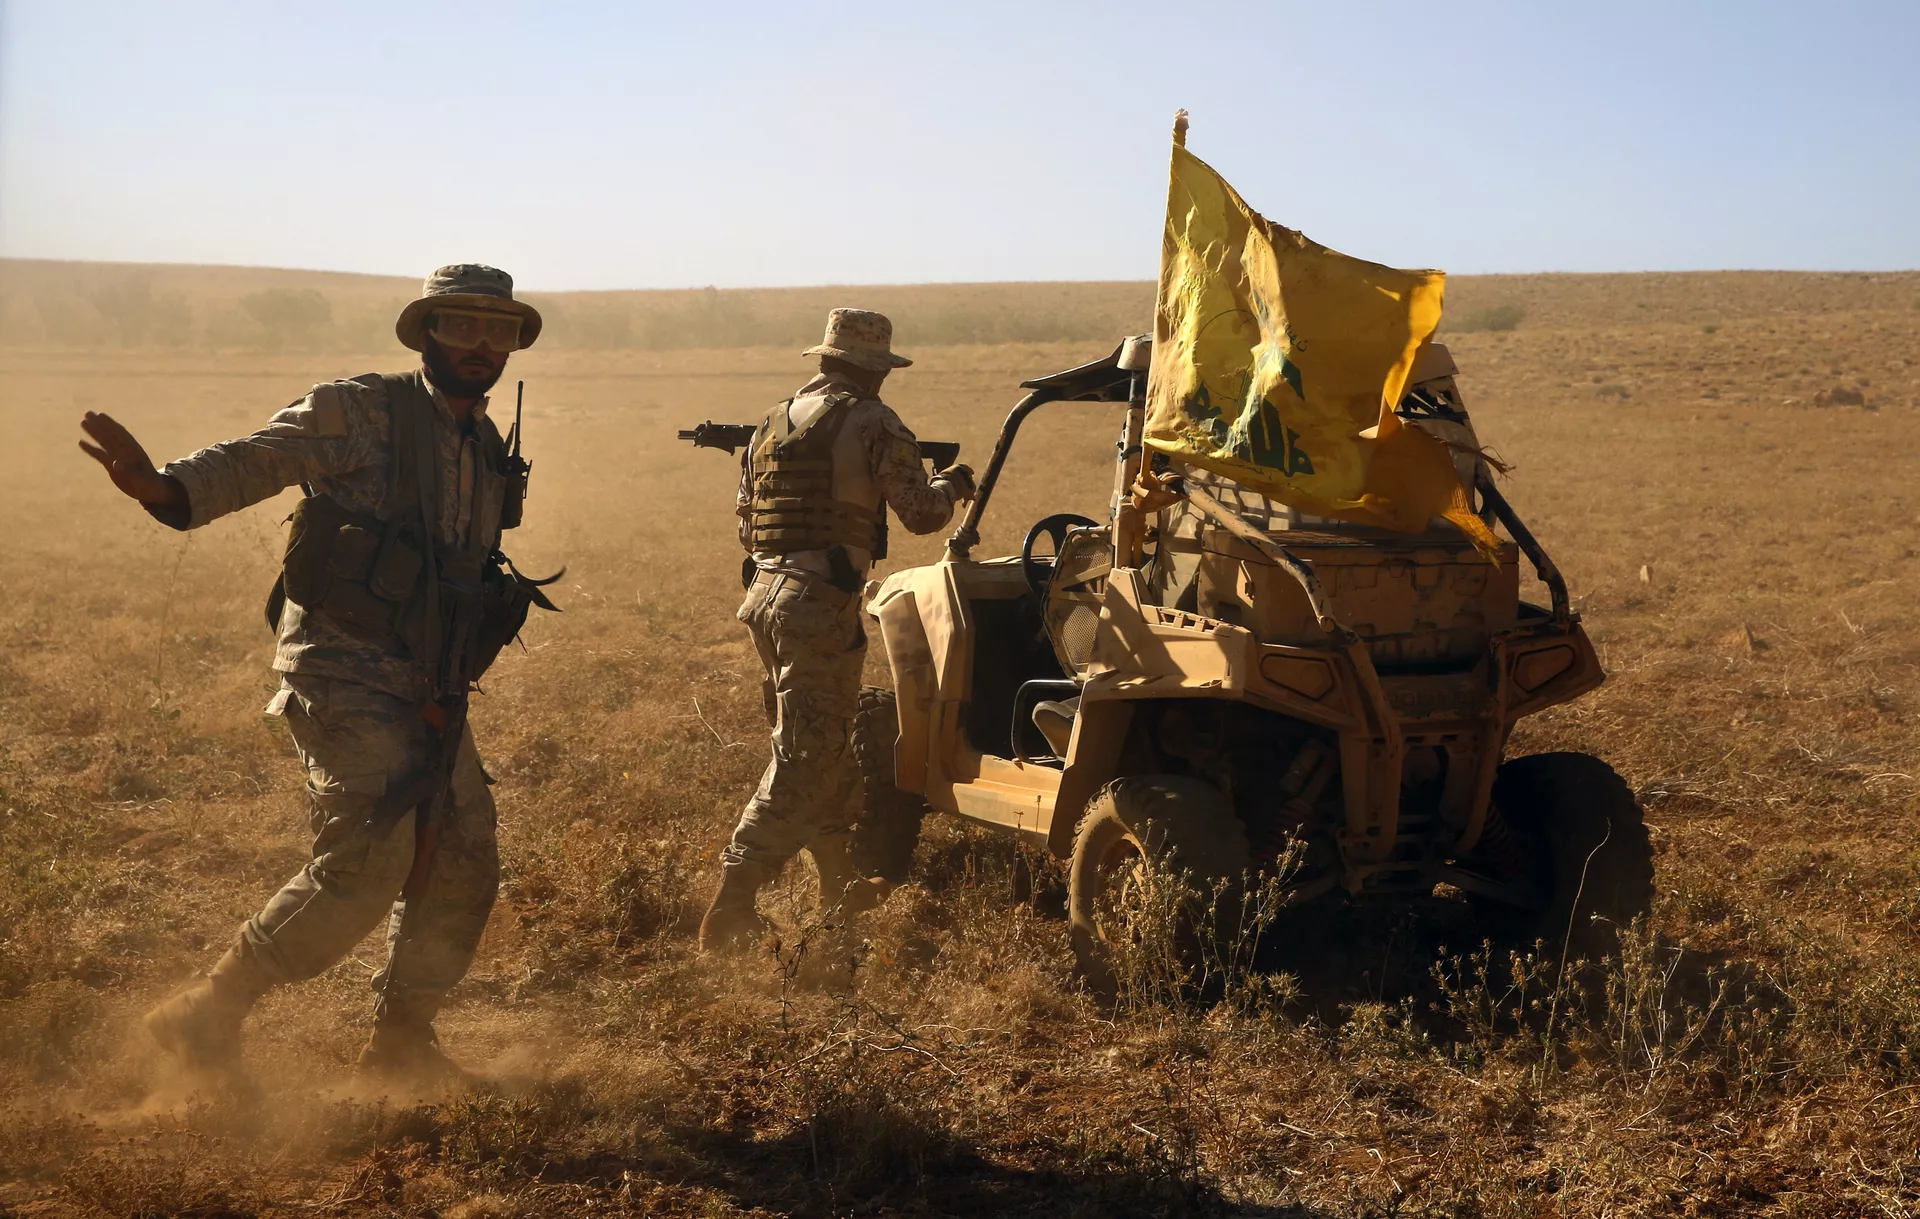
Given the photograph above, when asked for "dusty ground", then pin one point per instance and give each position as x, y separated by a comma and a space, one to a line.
1745, 559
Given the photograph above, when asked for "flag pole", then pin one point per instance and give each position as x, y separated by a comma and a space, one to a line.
1129, 524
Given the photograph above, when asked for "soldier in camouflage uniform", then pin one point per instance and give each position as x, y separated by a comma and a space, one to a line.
814, 492
358, 703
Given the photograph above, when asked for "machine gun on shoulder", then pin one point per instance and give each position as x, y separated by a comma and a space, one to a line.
736, 436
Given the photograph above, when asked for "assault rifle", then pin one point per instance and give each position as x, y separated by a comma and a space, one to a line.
735, 436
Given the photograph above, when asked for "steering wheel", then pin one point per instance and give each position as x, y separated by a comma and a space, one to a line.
1038, 569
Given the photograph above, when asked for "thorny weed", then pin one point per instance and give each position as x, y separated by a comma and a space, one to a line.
1655, 1014
1646, 1027
1491, 999
1175, 937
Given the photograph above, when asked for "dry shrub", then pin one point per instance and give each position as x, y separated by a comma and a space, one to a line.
50, 866
42, 1028
1816, 1013
1847, 1013
1657, 1016
1488, 997
1185, 939
871, 1122
604, 896
139, 1186
485, 1206
499, 1137
875, 1102
40, 1146
1375, 1031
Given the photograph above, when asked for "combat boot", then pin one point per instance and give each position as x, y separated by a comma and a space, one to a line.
408, 1050
842, 887
732, 923
201, 1024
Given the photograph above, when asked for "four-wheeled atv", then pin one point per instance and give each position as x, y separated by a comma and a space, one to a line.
1228, 679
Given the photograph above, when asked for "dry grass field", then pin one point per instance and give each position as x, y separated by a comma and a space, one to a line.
1745, 559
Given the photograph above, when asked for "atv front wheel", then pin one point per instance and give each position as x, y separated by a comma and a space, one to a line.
1583, 838
1135, 825
888, 828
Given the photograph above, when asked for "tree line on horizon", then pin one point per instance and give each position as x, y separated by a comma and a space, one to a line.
120, 307
94, 306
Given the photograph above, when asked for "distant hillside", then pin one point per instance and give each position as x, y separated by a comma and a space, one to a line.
90, 305
75, 304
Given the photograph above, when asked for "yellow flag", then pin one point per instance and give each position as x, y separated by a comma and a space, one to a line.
1278, 363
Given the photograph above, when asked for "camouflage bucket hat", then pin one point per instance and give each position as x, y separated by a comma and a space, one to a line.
465, 285
860, 337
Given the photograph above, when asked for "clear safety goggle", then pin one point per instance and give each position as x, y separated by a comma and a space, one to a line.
460, 328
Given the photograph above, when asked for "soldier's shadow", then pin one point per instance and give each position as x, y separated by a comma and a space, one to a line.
785, 1175
800, 1174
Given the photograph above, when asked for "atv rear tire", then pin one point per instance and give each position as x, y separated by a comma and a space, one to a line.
1584, 839
1185, 824
888, 828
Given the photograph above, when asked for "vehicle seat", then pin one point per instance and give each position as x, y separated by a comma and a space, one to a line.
1072, 610
1043, 714
1054, 719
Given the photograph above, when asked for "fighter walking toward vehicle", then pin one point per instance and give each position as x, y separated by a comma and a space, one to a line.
815, 487
393, 598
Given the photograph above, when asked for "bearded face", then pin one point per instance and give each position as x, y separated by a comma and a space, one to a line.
462, 372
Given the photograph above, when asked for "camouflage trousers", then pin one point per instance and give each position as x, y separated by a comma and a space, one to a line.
811, 647
353, 739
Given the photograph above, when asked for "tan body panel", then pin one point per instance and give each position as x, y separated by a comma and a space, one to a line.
1148, 652
934, 757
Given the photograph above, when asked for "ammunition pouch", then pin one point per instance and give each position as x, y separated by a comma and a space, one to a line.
363, 572
784, 524
369, 576
791, 475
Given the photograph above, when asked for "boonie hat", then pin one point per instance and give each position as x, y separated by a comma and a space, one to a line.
465, 285
861, 337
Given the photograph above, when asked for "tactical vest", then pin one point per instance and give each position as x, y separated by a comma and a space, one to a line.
792, 477
392, 581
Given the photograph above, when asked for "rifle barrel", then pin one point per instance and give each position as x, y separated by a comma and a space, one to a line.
732, 436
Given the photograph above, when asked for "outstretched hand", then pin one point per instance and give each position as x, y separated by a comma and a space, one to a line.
127, 463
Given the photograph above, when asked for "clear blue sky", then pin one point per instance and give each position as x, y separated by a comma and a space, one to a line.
740, 143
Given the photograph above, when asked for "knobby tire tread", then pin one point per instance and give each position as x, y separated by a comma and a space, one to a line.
888, 828
1561, 805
